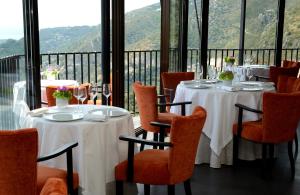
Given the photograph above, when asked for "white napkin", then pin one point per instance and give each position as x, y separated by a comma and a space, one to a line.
95, 117
230, 88
38, 112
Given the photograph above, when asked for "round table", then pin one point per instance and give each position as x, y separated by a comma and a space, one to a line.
99, 148
221, 115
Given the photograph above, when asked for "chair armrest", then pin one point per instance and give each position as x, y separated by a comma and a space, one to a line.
143, 141
65, 148
257, 77
248, 108
159, 124
174, 104
46, 103
162, 96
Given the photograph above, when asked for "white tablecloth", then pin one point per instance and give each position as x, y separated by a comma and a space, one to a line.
99, 148
221, 115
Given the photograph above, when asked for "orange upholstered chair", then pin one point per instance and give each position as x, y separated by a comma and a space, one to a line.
289, 64
164, 167
170, 80
288, 84
146, 98
51, 89
275, 72
280, 117
19, 171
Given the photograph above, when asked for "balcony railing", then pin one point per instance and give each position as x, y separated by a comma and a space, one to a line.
139, 65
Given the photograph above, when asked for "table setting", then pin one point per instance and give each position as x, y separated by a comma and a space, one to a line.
96, 128
218, 98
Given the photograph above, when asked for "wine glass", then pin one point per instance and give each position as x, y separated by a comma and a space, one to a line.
83, 94
76, 94
249, 73
93, 91
200, 71
106, 91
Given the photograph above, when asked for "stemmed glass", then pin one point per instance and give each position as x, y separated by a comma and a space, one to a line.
200, 71
106, 91
93, 91
249, 73
76, 94
83, 94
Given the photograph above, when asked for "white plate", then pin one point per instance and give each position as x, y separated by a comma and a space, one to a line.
111, 112
252, 89
251, 83
62, 117
198, 86
211, 81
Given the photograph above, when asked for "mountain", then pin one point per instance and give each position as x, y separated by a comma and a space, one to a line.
142, 29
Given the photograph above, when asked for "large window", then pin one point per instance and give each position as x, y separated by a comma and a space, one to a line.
291, 33
11, 57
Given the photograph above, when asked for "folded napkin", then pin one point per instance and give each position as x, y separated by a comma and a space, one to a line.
230, 88
38, 112
95, 117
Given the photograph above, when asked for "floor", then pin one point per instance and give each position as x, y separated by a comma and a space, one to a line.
245, 180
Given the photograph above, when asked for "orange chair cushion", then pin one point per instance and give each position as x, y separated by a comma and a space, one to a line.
150, 167
251, 131
44, 173
54, 186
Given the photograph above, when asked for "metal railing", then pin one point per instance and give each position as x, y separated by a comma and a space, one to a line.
139, 65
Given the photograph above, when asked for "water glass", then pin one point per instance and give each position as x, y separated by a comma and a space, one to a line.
93, 92
106, 90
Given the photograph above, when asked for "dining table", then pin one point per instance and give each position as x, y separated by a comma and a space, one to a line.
96, 129
215, 146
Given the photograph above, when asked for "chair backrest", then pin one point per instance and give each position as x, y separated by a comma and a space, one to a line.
146, 99
185, 135
290, 64
288, 84
276, 71
51, 89
170, 80
18, 166
281, 115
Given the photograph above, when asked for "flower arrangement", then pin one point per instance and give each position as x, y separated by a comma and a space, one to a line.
229, 59
52, 71
226, 76
63, 93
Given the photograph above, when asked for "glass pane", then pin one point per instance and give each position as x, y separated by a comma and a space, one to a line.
142, 46
291, 34
223, 31
11, 63
260, 32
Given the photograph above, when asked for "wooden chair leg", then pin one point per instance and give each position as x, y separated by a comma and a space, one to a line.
296, 147
187, 187
291, 157
119, 187
146, 189
235, 150
144, 136
171, 189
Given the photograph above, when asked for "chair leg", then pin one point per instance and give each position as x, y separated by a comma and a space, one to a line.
187, 187
296, 147
144, 136
264, 160
271, 156
146, 189
155, 138
235, 150
291, 157
171, 189
119, 187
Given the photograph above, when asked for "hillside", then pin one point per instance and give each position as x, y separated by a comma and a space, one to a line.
142, 29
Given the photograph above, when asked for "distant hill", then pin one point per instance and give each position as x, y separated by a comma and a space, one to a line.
142, 29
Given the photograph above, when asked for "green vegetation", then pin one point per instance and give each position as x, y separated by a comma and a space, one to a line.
226, 76
142, 29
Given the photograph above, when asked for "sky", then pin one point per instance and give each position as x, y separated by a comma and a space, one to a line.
56, 13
